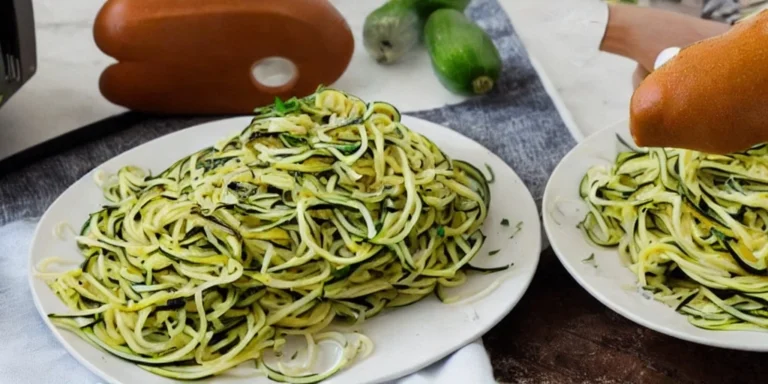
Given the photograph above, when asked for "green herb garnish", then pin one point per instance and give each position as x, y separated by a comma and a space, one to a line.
518, 228
505, 222
279, 106
491, 253
283, 108
441, 231
293, 357
590, 260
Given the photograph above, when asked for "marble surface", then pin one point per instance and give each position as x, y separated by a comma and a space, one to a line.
563, 36
590, 88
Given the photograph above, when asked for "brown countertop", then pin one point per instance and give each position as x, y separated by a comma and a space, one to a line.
559, 333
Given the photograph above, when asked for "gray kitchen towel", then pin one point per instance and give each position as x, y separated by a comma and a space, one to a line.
517, 121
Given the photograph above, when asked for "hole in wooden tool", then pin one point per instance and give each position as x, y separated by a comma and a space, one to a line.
274, 73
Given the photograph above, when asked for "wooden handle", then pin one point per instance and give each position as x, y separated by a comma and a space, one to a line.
640, 33
197, 56
711, 97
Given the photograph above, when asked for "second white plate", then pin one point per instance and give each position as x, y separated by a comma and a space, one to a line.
607, 278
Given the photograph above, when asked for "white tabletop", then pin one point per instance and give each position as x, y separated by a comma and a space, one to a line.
561, 35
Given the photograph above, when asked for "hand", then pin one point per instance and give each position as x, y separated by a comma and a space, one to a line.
642, 33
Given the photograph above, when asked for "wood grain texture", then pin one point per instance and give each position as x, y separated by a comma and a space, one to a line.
558, 333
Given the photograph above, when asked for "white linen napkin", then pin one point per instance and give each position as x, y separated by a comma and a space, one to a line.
30, 354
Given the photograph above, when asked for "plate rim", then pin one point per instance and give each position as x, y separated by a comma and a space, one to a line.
594, 291
525, 279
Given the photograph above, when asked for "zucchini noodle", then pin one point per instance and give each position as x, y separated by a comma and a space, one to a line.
693, 228
324, 208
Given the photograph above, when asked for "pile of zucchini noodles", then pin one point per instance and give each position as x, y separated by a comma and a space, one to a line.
323, 208
692, 227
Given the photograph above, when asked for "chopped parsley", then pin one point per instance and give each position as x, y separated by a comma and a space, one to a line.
491, 253
283, 108
505, 222
293, 357
441, 231
518, 228
279, 106
590, 260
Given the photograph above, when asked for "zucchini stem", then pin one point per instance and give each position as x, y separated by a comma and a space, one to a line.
482, 84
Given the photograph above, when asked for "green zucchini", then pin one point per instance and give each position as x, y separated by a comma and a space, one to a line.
463, 55
394, 28
391, 30
426, 7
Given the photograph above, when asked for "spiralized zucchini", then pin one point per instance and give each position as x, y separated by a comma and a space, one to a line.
693, 228
324, 208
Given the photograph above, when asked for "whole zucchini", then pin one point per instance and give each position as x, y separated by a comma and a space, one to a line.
426, 7
463, 55
394, 28
391, 30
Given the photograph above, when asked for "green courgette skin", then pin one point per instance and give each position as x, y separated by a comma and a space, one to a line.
392, 30
426, 7
463, 56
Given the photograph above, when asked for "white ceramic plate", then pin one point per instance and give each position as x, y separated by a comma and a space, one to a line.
608, 279
406, 339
